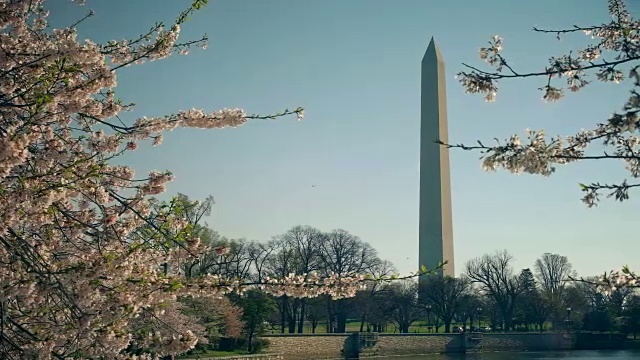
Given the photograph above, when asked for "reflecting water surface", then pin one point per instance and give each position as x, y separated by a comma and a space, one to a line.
565, 355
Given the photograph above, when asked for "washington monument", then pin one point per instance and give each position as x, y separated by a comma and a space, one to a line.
436, 228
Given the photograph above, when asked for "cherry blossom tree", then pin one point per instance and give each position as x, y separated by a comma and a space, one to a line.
159, 330
219, 316
612, 57
73, 278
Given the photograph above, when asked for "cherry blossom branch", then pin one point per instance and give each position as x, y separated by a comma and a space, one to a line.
79, 236
548, 72
576, 28
622, 38
612, 281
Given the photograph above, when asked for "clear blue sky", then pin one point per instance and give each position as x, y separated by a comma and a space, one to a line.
355, 67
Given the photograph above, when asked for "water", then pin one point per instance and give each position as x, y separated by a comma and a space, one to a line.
564, 355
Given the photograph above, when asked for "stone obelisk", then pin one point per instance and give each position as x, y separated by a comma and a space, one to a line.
436, 228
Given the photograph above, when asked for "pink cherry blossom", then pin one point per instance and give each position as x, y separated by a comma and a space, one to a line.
83, 266
221, 250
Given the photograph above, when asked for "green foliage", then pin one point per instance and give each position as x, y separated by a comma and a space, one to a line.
259, 344
257, 309
598, 320
198, 4
195, 6
631, 316
527, 281
159, 231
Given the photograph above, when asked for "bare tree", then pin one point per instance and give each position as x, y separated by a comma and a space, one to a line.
367, 299
445, 295
235, 264
280, 264
380, 311
344, 254
404, 295
259, 254
316, 312
470, 307
495, 276
304, 242
552, 271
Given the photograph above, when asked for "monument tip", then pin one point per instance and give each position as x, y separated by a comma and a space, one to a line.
432, 53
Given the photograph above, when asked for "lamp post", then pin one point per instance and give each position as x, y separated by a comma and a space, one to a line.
428, 307
479, 311
568, 318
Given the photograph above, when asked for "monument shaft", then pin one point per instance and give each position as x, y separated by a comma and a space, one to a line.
436, 228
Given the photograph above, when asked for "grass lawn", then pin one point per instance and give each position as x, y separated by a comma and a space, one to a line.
212, 353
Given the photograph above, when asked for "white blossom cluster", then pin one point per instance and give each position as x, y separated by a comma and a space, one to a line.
615, 280
613, 58
77, 273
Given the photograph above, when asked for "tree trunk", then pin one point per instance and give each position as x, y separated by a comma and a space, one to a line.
341, 326
250, 341
292, 315
508, 323
292, 323
283, 314
330, 327
303, 308
447, 326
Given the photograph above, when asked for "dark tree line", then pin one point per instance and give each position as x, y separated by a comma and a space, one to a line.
490, 293
301, 250
304, 249
490, 296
